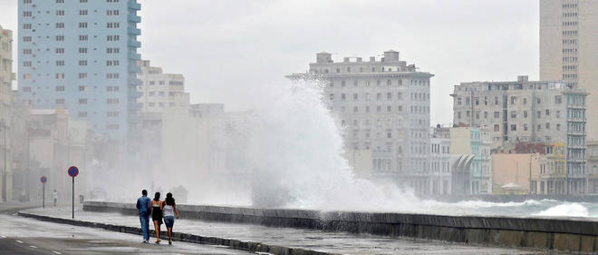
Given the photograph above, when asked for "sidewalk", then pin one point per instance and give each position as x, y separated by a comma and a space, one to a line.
342, 243
12, 207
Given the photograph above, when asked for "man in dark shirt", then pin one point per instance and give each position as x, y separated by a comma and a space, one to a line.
143, 206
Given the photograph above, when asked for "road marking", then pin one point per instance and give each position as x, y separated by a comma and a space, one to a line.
55, 252
34, 247
19, 241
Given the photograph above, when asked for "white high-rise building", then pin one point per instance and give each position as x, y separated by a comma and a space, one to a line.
384, 105
569, 48
6, 98
160, 90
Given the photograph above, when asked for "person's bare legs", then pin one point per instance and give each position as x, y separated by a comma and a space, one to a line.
157, 229
169, 235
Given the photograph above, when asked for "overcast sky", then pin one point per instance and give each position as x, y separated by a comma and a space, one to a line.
231, 50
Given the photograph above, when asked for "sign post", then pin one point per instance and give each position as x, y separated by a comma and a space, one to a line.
43, 180
73, 172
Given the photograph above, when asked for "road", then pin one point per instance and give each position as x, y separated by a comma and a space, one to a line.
27, 236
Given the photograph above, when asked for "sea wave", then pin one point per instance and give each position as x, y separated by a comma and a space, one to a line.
567, 209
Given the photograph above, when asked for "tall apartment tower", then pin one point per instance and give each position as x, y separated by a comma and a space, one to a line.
569, 48
547, 112
160, 90
81, 55
6, 98
385, 106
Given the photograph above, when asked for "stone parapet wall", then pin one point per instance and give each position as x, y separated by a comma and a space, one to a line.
564, 234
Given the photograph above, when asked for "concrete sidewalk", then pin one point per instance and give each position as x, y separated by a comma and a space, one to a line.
284, 238
13, 207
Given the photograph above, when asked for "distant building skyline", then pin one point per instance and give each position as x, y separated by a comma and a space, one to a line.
82, 56
526, 111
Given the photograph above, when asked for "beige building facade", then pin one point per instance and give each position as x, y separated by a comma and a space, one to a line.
6, 99
160, 90
384, 106
525, 111
569, 48
512, 173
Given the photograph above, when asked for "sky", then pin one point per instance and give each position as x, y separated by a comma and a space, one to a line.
231, 51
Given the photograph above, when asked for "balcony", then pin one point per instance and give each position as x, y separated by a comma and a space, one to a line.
134, 69
134, 44
134, 31
134, 18
135, 56
134, 5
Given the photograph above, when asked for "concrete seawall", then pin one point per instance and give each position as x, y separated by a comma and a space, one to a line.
575, 235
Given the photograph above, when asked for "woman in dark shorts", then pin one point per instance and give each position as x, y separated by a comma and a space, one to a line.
169, 212
156, 206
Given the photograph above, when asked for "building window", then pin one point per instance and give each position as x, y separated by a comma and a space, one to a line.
82, 114
111, 38
82, 88
28, 63
59, 12
83, 37
26, 26
539, 114
60, 76
27, 14
82, 62
112, 50
83, 12
60, 25
513, 114
60, 1
82, 75
60, 38
59, 88
112, 13
112, 75
496, 128
513, 127
82, 100
496, 115
60, 101
112, 25
558, 99
59, 50
83, 50
82, 24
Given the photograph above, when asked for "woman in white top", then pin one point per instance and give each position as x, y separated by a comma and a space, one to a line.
169, 210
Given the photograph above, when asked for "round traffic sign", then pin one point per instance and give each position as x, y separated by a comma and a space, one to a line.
73, 171
43, 179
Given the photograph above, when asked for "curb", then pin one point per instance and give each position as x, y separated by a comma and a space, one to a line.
254, 247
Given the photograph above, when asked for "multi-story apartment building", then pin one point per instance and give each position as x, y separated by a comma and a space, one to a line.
528, 111
551, 177
473, 141
440, 167
82, 56
6, 98
568, 48
160, 90
385, 106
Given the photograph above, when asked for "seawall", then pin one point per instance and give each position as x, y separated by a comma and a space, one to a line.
563, 234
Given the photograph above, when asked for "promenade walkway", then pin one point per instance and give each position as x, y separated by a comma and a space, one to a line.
341, 243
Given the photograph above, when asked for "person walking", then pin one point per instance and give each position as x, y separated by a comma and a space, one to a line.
55, 197
169, 211
156, 206
143, 206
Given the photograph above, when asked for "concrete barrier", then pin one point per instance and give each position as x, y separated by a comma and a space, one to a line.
563, 234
